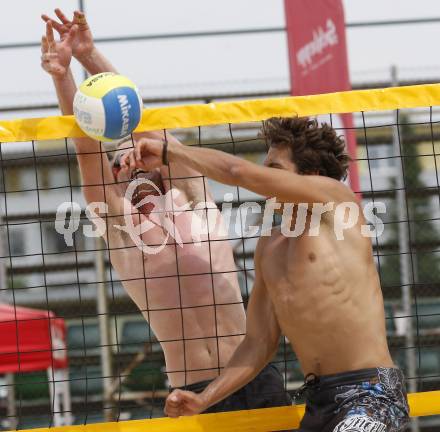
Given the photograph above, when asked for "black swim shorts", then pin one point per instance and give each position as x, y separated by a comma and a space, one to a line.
264, 391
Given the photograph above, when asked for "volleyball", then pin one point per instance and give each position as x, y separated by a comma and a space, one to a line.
107, 106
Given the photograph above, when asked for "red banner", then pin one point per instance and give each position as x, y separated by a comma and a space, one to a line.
318, 59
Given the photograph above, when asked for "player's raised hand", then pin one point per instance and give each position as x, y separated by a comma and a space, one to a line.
148, 153
56, 56
82, 44
183, 403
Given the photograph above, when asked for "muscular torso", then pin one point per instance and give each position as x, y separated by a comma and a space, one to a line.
327, 299
189, 295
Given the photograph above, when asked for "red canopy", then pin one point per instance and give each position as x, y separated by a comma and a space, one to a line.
31, 340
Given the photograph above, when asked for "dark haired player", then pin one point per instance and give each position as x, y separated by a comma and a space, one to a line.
189, 295
321, 292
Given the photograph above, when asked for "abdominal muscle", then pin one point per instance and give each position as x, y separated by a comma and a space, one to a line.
328, 303
197, 337
198, 361
329, 343
197, 340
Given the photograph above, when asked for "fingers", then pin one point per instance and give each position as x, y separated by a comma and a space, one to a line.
124, 161
56, 25
181, 402
62, 17
175, 398
173, 404
49, 36
79, 18
44, 45
171, 412
131, 160
71, 35
138, 150
147, 146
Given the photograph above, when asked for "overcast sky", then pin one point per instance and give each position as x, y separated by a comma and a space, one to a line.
219, 64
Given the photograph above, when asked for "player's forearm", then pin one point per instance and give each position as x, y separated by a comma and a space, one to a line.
92, 160
248, 360
96, 173
96, 62
217, 165
65, 88
183, 173
285, 185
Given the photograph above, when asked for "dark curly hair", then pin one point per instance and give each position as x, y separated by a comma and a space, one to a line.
314, 148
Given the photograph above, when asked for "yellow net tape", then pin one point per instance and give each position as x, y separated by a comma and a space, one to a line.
261, 420
236, 112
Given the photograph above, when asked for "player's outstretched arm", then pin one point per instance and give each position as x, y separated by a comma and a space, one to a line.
189, 181
285, 185
84, 50
83, 46
93, 162
255, 351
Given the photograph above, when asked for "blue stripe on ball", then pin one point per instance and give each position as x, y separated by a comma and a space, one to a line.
122, 112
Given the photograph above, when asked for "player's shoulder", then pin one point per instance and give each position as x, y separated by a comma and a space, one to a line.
341, 199
340, 192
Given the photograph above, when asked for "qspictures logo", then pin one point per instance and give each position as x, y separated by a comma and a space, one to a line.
166, 209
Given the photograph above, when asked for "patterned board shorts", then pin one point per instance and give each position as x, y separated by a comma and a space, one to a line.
368, 400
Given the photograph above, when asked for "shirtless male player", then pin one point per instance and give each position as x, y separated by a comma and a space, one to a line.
322, 292
190, 295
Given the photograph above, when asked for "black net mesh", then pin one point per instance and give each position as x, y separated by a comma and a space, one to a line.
44, 268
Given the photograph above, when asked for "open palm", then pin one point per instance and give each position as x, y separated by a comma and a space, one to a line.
82, 44
56, 56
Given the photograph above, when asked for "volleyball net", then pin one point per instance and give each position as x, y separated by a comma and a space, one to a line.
76, 349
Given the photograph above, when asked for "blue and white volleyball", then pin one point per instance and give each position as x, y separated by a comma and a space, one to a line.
107, 106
